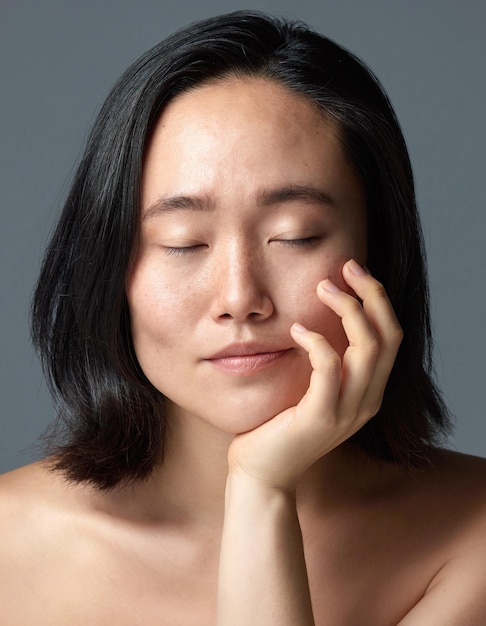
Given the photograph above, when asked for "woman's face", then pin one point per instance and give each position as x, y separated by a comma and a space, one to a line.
247, 203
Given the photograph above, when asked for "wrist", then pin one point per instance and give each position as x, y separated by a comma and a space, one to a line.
255, 493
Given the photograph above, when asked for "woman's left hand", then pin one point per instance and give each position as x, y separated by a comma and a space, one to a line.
343, 394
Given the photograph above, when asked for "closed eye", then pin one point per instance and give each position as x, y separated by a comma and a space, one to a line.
300, 242
181, 250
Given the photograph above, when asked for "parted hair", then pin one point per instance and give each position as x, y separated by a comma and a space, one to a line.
110, 428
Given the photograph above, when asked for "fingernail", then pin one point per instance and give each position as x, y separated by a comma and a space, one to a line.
328, 285
356, 268
299, 328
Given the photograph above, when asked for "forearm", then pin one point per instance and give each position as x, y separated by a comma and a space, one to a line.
262, 577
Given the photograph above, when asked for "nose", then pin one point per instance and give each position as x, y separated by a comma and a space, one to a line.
241, 289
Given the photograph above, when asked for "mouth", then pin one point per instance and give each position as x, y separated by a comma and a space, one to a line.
247, 359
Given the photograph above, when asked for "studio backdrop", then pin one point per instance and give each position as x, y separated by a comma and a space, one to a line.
59, 59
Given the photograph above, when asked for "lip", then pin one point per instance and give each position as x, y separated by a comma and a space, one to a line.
249, 348
247, 358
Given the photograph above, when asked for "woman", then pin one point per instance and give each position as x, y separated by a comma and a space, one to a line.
248, 436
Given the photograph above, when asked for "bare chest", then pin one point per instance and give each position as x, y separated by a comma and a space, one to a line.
373, 569
123, 589
347, 583
365, 569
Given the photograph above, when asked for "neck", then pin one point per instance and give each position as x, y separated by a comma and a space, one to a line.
188, 488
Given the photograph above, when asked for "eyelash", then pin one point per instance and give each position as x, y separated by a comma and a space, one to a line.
182, 250
303, 242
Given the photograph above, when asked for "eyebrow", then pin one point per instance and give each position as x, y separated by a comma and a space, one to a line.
169, 204
291, 193
267, 197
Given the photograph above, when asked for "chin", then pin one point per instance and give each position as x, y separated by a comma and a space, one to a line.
245, 415
236, 405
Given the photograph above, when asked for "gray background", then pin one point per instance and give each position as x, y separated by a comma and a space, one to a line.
58, 59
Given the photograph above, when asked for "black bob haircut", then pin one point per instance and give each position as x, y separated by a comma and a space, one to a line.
111, 429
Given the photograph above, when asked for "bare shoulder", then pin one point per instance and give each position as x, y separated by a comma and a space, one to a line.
29, 514
459, 480
453, 492
452, 501
23, 494
36, 536
26, 494
460, 488
463, 466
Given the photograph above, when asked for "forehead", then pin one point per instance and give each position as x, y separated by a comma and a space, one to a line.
235, 106
257, 96
240, 136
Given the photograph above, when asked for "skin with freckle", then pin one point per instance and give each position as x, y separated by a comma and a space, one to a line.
235, 141
248, 206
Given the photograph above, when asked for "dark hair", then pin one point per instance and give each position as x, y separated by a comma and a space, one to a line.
112, 418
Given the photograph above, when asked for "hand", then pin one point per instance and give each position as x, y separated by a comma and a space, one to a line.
342, 394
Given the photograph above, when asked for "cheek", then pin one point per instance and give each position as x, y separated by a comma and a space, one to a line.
153, 300
156, 340
321, 319
304, 305
152, 317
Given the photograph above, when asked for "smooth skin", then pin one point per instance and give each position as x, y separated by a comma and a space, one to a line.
267, 464
253, 233
343, 393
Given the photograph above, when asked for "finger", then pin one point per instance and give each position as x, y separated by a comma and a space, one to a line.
375, 302
361, 355
322, 395
380, 313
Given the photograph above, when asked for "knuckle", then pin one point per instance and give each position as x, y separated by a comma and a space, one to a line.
369, 410
355, 305
324, 357
379, 290
320, 346
368, 351
396, 334
373, 347
332, 363
374, 407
